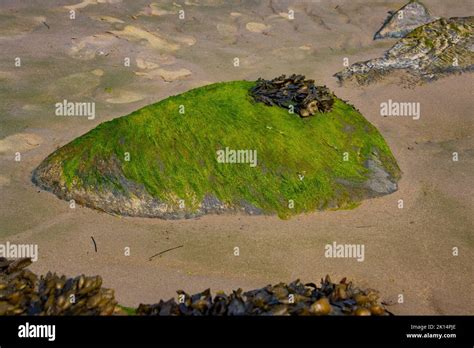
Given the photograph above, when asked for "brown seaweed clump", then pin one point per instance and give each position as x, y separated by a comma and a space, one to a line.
295, 299
294, 93
23, 293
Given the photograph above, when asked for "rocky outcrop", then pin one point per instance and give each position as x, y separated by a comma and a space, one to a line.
136, 165
442, 47
401, 22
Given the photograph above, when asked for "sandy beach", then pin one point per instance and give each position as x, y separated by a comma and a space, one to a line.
408, 251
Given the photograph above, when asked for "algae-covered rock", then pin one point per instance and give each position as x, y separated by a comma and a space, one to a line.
403, 21
214, 150
442, 47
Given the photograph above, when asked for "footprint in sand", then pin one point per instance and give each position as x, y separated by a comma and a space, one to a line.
255, 27
155, 9
145, 64
124, 97
20, 142
86, 3
149, 62
166, 75
185, 40
133, 33
90, 46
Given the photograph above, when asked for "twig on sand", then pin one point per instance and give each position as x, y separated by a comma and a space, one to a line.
164, 251
95, 244
46, 25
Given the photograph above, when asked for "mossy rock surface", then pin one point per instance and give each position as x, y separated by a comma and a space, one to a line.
158, 162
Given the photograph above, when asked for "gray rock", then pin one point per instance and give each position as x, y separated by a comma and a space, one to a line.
380, 182
403, 21
439, 48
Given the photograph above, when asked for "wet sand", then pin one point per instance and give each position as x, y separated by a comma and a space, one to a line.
407, 251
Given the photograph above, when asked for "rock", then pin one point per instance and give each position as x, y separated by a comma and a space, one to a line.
380, 182
403, 21
218, 114
439, 48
